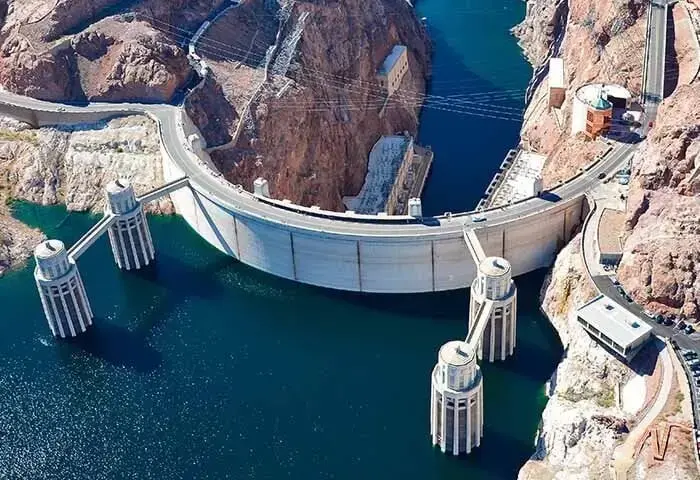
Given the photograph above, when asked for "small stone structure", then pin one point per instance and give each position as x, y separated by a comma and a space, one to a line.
557, 87
393, 69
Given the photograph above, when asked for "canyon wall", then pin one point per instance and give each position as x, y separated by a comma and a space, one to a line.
603, 41
310, 128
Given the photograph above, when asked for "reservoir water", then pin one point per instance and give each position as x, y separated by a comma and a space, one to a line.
199, 367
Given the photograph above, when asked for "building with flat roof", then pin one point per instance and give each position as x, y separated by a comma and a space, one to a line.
557, 87
613, 326
393, 69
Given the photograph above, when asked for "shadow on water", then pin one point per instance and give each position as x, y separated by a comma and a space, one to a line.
117, 346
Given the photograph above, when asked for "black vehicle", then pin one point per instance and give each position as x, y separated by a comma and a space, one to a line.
680, 325
628, 298
668, 321
689, 329
601, 175
659, 319
621, 290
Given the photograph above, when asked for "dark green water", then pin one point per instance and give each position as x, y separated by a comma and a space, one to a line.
200, 367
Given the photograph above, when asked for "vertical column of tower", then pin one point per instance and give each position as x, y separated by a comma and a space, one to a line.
456, 394
494, 282
129, 235
61, 290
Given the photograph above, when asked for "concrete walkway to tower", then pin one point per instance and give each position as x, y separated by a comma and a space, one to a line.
623, 457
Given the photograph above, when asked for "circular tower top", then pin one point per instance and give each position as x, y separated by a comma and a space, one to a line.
457, 354
51, 259
49, 249
120, 196
494, 266
457, 369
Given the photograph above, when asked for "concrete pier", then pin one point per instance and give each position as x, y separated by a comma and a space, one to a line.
129, 235
494, 288
456, 400
61, 290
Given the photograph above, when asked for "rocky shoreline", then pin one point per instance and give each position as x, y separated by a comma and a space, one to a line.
584, 421
71, 165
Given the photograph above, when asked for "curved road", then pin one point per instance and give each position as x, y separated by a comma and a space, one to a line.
213, 186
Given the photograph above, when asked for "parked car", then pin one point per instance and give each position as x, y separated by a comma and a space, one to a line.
615, 281
659, 319
648, 314
628, 298
668, 321
689, 329
680, 325
478, 218
689, 354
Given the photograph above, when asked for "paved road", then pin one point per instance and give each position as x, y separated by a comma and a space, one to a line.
247, 205
654, 88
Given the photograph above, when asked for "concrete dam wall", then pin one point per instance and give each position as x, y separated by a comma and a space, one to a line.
369, 263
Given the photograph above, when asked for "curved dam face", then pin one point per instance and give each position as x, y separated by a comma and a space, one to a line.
426, 262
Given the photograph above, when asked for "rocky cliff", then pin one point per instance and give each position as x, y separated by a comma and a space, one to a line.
291, 91
309, 128
599, 41
661, 262
75, 50
603, 41
585, 420
581, 422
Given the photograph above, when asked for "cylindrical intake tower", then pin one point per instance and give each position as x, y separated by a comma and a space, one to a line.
493, 282
456, 400
129, 235
61, 290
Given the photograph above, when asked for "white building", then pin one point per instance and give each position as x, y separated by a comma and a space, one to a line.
613, 326
456, 400
393, 69
494, 286
61, 290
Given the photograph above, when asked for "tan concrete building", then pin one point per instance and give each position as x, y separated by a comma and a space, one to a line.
557, 88
393, 69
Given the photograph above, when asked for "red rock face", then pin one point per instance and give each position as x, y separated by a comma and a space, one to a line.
661, 263
78, 50
311, 143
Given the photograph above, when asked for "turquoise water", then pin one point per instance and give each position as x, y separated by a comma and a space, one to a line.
200, 367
